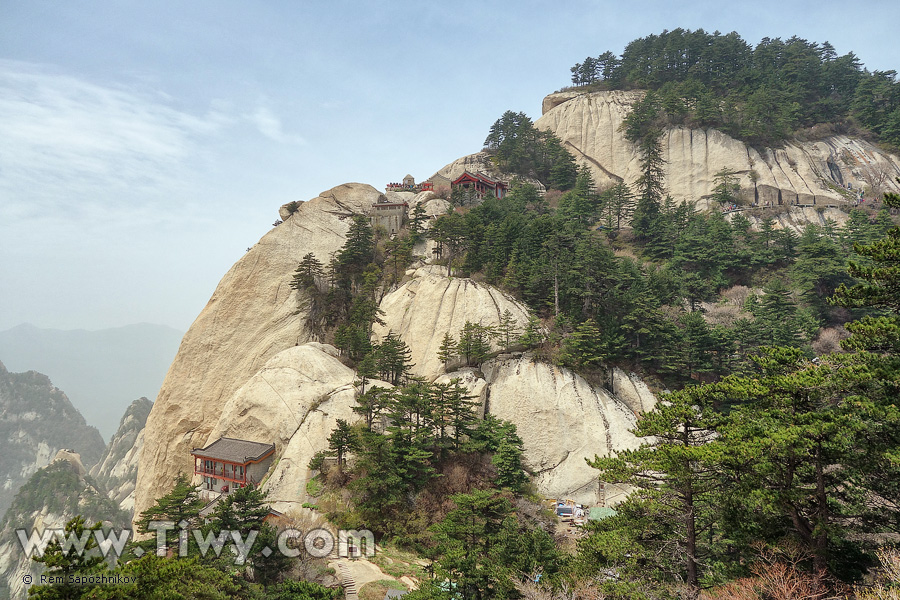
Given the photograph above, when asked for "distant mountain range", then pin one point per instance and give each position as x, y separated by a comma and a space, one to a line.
101, 371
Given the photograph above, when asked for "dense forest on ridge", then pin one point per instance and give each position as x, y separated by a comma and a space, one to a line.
762, 94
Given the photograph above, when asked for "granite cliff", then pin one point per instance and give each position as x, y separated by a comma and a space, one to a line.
251, 317
250, 367
807, 173
116, 470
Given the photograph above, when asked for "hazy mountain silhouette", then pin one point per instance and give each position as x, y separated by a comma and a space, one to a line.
101, 371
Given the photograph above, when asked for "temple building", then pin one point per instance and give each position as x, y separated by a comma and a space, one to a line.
478, 185
229, 463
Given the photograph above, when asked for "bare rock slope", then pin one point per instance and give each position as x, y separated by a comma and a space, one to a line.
562, 420
430, 305
293, 401
251, 317
799, 173
248, 368
116, 470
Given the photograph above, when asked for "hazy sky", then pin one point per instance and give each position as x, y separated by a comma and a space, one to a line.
145, 145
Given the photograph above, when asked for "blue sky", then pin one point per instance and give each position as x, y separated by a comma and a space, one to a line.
145, 145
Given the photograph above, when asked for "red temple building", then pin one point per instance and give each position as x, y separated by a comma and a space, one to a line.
479, 184
229, 463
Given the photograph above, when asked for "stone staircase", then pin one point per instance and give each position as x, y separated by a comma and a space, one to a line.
347, 582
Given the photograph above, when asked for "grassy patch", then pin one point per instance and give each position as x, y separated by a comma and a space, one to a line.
375, 590
398, 563
314, 486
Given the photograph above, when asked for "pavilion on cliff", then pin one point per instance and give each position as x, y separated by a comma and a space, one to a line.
230, 463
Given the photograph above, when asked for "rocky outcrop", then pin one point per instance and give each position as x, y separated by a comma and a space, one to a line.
631, 389
814, 173
116, 470
36, 421
430, 305
797, 217
293, 401
49, 499
251, 317
562, 420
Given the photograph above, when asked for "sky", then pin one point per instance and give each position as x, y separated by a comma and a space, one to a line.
145, 145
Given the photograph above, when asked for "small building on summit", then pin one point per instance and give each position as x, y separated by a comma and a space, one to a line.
477, 185
229, 463
409, 185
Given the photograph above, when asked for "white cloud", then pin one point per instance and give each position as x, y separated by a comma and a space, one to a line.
270, 126
86, 146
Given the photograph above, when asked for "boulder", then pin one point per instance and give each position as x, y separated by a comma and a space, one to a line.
422, 310
562, 420
293, 401
631, 389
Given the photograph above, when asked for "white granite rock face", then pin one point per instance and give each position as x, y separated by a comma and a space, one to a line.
800, 173
117, 468
562, 420
631, 390
421, 311
293, 401
251, 317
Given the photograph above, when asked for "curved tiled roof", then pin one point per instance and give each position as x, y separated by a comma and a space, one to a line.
234, 450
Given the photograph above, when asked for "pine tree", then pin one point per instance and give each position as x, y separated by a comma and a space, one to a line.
694, 356
393, 359
820, 266
308, 272
341, 441
244, 511
508, 460
366, 370
583, 349
448, 349
416, 224
650, 189
533, 334
358, 251
372, 403
475, 342
790, 425
676, 470
726, 188
507, 329
465, 541
776, 316
449, 233
69, 563
618, 206
182, 503
461, 412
